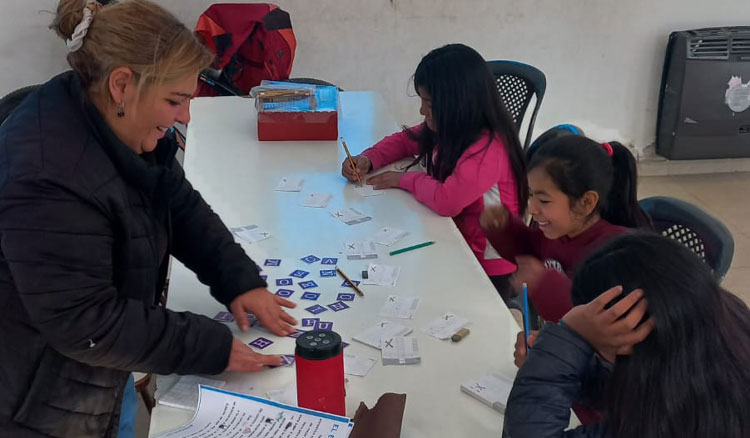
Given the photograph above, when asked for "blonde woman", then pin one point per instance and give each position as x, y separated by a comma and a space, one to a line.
92, 204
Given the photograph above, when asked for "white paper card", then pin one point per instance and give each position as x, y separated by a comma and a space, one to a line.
316, 200
357, 365
350, 216
399, 307
366, 190
251, 233
399, 350
361, 250
286, 395
446, 326
382, 275
388, 236
492, 390
290, 184
224, 414
372, 335
184, 393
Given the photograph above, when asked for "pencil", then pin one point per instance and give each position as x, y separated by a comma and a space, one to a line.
351, 283
351, 161
409, 248
526, 329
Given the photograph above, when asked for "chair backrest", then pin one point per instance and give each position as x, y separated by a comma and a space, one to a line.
702, 233
12, 100
517, 83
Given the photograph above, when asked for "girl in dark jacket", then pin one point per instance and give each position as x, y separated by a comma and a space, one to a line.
669, 359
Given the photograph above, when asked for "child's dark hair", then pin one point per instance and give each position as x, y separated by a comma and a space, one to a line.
465, 104
690, 375
577, 164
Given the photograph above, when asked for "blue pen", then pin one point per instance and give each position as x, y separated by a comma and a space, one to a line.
526, 314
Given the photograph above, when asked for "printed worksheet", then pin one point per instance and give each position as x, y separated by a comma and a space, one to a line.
224, 414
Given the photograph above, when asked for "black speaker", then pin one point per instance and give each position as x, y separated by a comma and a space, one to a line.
704, 99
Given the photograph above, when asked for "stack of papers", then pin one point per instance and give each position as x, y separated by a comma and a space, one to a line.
399, 350
492, 390
184, 393
374, 334
446, 326
357, 365
400, 307
223, 414
350, 216
316, 200
360, 250
388, 236
251, 233
290, 184
366, 190
382, 275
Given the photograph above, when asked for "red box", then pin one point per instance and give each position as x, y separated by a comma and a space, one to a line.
313, 118
298, 125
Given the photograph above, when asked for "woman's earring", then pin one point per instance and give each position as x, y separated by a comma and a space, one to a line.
121, 110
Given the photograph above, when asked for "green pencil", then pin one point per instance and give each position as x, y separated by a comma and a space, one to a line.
409, 248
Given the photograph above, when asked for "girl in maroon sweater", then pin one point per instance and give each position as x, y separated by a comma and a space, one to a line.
582, 193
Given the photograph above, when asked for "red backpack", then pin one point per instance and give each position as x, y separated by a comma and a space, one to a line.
252, 42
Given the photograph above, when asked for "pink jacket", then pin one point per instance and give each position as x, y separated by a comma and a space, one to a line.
482, 174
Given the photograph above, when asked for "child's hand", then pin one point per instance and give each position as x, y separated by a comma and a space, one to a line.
614, 330
494, 218
519, 355
529, 270
385, 180
363, 166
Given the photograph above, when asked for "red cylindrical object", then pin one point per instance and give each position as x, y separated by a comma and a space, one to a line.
320, 372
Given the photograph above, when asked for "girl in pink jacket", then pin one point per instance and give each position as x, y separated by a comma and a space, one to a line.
467, 144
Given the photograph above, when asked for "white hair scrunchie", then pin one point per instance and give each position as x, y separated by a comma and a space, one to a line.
76, 40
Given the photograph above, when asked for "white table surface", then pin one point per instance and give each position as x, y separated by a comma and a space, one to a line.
237, 175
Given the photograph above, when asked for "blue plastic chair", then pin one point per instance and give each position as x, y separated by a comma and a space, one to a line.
517, 83
705, 235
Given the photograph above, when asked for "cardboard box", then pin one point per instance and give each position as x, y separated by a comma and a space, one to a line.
305, 119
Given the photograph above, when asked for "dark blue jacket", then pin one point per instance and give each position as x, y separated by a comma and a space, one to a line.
561, 369
86, 226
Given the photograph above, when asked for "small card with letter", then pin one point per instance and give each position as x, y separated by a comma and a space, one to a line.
366, 190
492, 390
399, 350
388, 236
360, 250
384, 328
316, 200
338, 306
316, 309
251, 233
350, 216
299, 273
400, 307
446, 326
290, 184
382, 275
327, 272
357, 365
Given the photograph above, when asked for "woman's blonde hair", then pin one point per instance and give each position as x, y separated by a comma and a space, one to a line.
137, 34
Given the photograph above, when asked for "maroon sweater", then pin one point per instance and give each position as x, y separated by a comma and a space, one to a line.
551, 297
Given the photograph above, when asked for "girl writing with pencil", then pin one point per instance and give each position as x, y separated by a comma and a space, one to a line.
582, 193
468, 145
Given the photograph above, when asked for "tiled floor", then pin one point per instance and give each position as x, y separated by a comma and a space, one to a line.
725, 196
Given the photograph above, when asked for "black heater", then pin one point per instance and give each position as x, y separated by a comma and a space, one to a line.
704, 101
